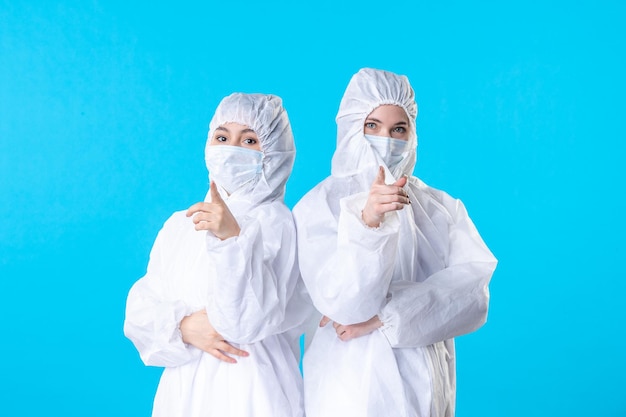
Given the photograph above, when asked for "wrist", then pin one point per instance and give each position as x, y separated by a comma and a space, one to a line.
370, 221
182, 330
376, 323
235, 231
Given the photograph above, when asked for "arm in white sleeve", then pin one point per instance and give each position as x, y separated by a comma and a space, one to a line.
450, 302
255, 276
346, 265
152, 321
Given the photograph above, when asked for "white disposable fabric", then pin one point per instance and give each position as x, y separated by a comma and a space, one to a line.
249, 286
424, 272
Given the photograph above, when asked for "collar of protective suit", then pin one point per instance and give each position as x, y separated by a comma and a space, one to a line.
265, 115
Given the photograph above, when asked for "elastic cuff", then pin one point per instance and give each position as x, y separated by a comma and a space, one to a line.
387, 331
367, 226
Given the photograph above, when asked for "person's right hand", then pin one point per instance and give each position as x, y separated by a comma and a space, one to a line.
214, 216
384, 198
197, 331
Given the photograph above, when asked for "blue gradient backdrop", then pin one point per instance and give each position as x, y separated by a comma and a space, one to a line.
104, 107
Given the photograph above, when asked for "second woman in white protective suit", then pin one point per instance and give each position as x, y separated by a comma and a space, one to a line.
222, 281
396, 267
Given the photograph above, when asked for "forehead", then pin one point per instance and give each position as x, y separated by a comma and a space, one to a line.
389, 113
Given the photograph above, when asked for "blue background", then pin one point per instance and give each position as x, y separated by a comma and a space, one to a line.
104, 108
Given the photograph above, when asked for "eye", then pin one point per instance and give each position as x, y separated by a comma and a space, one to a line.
220, 138
399, 129
370, 125
250, 141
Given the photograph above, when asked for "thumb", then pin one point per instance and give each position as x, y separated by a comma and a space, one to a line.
215, 194
324, 321
380, 177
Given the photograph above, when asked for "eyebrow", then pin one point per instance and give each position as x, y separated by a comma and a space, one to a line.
378, 121
247, 130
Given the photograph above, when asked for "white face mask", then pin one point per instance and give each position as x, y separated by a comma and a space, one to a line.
390, 150
232, 167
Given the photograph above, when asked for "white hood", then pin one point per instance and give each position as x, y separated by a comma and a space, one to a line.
367, 90
266, 116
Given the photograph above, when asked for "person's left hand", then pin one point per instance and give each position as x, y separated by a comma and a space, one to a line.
353, 331
214, 216
197, 330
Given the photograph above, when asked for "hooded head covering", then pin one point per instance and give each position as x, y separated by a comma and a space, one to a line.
265, 115
367, 90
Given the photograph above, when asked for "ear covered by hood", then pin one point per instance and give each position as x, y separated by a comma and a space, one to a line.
368, 89
263, 113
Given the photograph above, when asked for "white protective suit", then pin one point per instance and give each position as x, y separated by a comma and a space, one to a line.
248, 284
424, 272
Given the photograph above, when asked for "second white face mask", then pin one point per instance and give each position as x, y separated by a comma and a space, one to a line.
232, 167
390, 150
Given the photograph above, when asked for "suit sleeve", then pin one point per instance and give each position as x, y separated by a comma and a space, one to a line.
152, 319
450, 302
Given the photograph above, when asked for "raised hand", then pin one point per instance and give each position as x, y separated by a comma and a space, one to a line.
384, 198
214, 216
197, 331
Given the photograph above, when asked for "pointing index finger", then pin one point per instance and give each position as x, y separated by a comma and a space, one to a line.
380, 176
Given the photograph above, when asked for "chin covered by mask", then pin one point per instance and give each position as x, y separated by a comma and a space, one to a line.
233, 167
391, 151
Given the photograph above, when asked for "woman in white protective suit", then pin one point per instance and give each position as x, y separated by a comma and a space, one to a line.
395, 266
222, 281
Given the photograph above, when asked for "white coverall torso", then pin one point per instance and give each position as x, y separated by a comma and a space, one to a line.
248, 284
246, 298
424, 272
